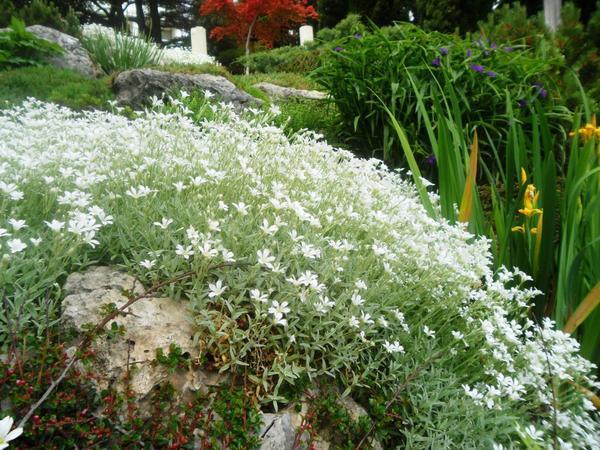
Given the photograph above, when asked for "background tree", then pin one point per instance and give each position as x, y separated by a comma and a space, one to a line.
263, 20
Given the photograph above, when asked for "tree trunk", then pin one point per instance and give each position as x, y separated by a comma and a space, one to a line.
155, 31
247, 70
141, 17
552, 14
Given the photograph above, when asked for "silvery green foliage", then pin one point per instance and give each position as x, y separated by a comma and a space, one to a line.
331, 267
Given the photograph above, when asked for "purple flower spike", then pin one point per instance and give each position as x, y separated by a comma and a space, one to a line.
469, 53
508, 49
339, 49
431, 160
543, 93
477, 68
494, 46
444, 51
491, 74
522, 103
436, 62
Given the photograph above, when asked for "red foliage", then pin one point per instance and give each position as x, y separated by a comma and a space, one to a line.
271, 18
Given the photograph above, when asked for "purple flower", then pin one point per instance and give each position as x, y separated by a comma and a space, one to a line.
436, 62
522, 103
469, 53
431, 160
540, 89
491, 74
339, 49
444, 51
508, 49
358, 36
494, 46
477, 68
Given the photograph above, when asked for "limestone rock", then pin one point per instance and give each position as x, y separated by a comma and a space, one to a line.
135, 87
75, 56
149, 324
272, 90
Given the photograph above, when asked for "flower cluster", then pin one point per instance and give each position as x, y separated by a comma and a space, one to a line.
323, 264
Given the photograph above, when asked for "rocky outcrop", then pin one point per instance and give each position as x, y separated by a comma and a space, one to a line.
136, 87
148, 325
272, 90
75, 56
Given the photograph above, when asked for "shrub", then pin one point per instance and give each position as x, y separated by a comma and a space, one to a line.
18, 47
412, 71
40, 12
282, 59
49, 83
308, 263
349, 26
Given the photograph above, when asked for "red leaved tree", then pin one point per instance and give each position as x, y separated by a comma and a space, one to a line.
263, 20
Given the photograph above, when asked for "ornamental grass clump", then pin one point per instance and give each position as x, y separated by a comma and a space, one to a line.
328, 268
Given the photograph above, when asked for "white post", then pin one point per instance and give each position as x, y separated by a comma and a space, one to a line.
306, 34
552, 14
199, 41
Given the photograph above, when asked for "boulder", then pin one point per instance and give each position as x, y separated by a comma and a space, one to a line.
149, 324
75, 56
135, 87
272, 90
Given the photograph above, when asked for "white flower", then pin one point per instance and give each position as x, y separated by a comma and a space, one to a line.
394, 347
4, 232
279, 308
357, 300
139, 192
208, 94
17, 224
360, 284
179, 186
5, 434
242, 208
458, 335
366, 318
216, 289
268, 229
16, 245
164, 223
185, 252
148, 264
428, 332
214, 225
275, 110
354, 322
384, 323
35, 241
264, 257
258, 296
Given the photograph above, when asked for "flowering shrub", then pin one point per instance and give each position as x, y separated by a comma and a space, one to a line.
330, 268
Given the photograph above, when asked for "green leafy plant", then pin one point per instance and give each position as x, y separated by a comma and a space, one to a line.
18, 47
113, 50
414, 73
282, 59
40, 12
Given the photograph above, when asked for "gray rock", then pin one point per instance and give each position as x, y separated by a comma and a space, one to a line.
149, 324
272, 90
75, 56
135, 87
277, 432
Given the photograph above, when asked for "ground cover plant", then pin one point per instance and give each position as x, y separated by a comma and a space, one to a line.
63, 86
331, 267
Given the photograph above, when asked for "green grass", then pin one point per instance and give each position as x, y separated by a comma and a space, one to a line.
196, 69
62, 86
285, 79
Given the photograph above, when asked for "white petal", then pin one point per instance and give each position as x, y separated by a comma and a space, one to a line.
5, 425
